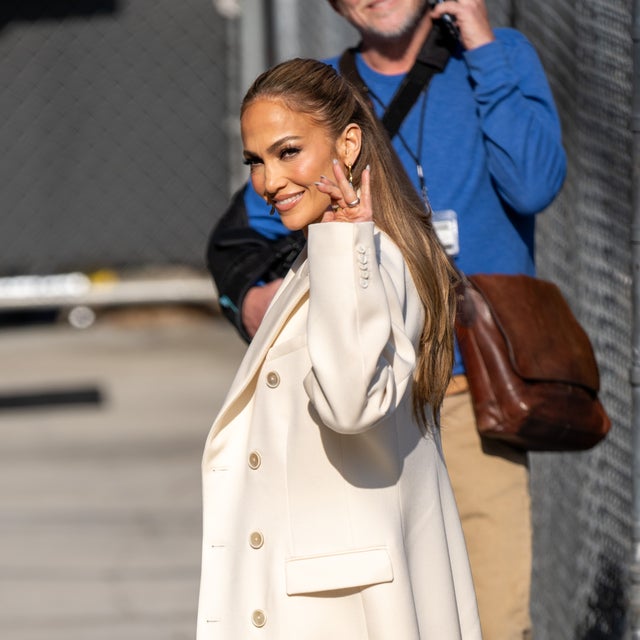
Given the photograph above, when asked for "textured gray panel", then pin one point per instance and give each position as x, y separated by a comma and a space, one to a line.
112, 136
582, 503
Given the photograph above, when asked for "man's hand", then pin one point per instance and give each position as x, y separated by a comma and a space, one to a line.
471, 18
255, 305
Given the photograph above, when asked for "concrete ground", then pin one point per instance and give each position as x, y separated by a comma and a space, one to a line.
100, 502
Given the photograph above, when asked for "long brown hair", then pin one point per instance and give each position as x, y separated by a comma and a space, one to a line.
317, 90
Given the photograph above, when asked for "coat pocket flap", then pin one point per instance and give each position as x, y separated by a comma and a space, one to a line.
330, 572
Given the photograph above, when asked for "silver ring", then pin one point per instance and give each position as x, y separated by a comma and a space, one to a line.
355, 203
335, 207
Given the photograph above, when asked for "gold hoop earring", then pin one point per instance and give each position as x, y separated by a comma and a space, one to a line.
350, 176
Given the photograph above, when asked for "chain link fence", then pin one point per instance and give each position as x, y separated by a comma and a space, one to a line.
582, 503
112, 131
118, 132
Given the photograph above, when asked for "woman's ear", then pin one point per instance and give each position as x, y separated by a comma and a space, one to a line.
350, 143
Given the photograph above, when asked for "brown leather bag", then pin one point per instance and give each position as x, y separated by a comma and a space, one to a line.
531, 370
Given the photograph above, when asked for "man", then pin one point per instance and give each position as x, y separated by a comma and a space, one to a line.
483, 146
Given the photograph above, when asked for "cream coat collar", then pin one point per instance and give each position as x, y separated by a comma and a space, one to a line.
294, 288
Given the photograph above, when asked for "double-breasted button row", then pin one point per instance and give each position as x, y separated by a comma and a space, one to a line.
273, 379
363, 264
256, 539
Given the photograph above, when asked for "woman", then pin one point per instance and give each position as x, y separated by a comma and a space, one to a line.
328, 513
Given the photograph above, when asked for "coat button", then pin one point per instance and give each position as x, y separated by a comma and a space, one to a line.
259, 618
254, 460
256, 540
273, 379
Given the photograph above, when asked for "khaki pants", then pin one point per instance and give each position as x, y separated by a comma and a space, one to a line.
491, 484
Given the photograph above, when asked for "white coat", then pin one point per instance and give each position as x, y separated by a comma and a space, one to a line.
328, 514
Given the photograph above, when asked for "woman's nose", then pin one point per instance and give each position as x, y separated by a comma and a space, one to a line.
273, 179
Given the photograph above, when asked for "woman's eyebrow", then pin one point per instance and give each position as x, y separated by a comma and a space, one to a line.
280, 142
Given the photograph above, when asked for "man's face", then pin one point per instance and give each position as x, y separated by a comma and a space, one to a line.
381, 18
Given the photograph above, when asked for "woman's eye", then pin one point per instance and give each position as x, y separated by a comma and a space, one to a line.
252, 163
289, 152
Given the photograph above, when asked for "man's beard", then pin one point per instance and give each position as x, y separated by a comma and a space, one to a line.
408, 25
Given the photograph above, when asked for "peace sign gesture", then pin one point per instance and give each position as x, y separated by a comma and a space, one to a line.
347, 205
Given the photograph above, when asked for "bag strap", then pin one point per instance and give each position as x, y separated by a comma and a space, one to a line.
432, 59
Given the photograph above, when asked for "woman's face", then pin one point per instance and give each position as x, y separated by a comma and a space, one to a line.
287, 153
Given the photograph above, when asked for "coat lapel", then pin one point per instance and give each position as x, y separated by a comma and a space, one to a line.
293, 290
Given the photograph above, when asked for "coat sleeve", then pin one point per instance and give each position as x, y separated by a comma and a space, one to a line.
364, 319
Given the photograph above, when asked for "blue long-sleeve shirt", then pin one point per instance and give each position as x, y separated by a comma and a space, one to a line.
488, 137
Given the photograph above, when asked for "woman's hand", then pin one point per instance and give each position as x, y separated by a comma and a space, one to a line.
347, 205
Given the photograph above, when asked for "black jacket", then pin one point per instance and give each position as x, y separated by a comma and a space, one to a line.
238, 257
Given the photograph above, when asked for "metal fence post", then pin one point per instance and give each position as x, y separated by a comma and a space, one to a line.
286, 30
634, 596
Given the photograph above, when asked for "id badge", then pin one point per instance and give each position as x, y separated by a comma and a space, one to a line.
445, 224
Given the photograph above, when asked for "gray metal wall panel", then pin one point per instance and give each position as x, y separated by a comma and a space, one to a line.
112, 130
582, 503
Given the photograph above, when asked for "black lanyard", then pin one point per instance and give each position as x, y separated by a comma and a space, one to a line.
415, 156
